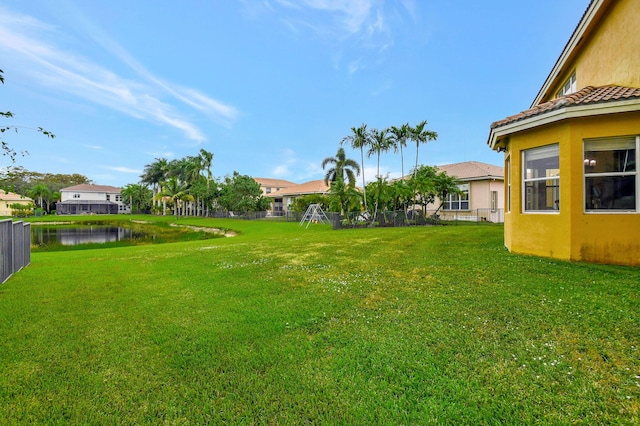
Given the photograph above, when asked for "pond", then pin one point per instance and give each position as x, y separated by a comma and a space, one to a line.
71, 236
67, 236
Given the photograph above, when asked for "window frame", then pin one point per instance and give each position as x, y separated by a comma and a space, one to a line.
555, 209
635, 173
508, 170
569, 86
455, 199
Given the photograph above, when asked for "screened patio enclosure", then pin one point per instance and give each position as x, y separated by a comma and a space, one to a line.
86, 207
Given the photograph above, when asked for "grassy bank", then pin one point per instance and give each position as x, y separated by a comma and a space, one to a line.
285, 325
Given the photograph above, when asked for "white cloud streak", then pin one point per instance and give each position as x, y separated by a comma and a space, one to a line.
28, 41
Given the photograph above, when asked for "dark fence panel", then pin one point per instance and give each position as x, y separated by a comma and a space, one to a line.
15, 247
416, 218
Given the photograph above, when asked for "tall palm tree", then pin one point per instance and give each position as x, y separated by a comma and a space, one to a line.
359, 139
207, 160
42, 193
380, 142
421, 135
176, 192
341, 166
399, 136
154, 174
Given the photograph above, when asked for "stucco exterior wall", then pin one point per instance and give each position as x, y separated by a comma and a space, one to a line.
571, 233
609, 54
480, 193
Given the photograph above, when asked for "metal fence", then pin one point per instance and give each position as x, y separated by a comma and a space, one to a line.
416, 218
15, 247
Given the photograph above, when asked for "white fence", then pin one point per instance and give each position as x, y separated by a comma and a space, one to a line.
15, 247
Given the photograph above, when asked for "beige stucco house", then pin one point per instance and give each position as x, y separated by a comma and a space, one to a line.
8, 198
482, 197
285, 196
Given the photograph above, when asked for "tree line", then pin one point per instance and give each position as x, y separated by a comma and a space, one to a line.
421, 187
186, 186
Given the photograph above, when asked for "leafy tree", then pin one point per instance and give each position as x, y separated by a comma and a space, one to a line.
241, 194
445, 185
21, 210
402, 194
380, 193
5, 147
429, 184
359, 139
19, 180
343, 198
341, 166
301, 204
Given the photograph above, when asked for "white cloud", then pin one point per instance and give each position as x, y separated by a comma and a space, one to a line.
30, 42
123, 169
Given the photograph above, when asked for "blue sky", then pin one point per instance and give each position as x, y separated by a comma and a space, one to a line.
269, 86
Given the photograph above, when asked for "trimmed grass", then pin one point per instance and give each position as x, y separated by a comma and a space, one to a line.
287, 325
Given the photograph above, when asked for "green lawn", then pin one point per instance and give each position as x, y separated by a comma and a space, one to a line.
286, 325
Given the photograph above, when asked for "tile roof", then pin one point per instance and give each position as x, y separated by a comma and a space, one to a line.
11, 196
586, 96
472, 170
274, 183
311, 187
83, 187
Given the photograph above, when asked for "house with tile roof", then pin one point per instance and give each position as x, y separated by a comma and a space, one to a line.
9, 198
284, 197
268, 185
91, 199
482, 196
572, 184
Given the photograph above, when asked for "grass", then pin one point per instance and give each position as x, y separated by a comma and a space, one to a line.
287, 325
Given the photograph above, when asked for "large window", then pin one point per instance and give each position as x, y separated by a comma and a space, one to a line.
611, 175
458, 201
541, 179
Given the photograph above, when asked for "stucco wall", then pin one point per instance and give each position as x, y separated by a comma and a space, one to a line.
610, 54
572, 233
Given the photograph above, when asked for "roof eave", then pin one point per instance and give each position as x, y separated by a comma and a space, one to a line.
575, 111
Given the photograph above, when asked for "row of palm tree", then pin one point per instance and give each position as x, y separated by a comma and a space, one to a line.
375, 142
185, 184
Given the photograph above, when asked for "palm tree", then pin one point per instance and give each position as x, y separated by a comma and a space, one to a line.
41, 192
155, 173
380, 142
421, 135
341, 166
399, 136
359, 138
207, 160
343, 196
176, 192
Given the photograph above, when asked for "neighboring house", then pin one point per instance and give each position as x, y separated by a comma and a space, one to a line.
8, 198
571, 160
285, 197
482, 197
90, 199
272, 185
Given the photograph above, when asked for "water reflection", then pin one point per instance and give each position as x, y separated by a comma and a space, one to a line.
47, 235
